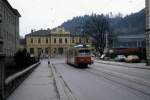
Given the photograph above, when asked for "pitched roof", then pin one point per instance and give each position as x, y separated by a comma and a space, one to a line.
15, 11
39, 33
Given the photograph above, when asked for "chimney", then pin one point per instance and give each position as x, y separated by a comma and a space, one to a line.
32, 31
48, 29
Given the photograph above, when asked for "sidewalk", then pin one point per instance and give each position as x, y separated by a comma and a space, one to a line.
38, 86
130, 65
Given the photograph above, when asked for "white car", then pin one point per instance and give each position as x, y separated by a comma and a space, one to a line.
120, 58
132, 58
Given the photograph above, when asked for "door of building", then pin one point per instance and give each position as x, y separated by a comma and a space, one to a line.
60, 51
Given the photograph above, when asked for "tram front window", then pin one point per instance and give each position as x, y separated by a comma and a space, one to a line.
84, 52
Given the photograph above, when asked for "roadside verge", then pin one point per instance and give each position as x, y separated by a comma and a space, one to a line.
123, 64
63, 89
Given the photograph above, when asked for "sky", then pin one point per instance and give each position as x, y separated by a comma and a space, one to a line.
43, 14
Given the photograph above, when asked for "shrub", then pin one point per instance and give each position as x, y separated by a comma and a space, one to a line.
23, 59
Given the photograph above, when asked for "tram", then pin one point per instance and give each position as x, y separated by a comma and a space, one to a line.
79, 55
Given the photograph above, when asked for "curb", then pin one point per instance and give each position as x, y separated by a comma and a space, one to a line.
148, 68
63, 90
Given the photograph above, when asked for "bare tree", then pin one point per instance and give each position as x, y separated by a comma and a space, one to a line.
97, 26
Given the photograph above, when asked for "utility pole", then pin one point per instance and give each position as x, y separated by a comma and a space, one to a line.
106, 40
50, 46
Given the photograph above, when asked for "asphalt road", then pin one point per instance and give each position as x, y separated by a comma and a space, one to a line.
94, 83
141, 73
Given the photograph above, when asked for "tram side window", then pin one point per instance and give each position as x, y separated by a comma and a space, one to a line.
84, 52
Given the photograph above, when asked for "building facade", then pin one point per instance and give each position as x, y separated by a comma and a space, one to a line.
52, 42
9, 34
1, 40
148, 30
9, 28
129, 41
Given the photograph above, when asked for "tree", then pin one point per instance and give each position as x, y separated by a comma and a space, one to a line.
97, 26
22, 59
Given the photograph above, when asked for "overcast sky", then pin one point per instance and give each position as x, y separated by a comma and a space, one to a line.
45, 14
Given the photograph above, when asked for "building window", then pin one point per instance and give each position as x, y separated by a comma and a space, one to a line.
7, 37
39, 40
32, 50
40, 51
54, 40
31, 40
87, 41
80, 40
0, 28
55, 50
60, 40
46, 50
46, 40
65, 40
72, 40
1, 47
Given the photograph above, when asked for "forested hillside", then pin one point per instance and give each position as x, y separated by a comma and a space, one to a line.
130, 24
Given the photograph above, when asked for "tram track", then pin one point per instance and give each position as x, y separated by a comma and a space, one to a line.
119, 80
136, 85
122, 75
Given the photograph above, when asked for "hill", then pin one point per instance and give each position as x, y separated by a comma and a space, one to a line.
131, 24
128, 25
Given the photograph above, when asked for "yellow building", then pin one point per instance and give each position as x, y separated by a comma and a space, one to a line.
52, 42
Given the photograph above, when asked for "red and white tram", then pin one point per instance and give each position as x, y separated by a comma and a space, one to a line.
79, 55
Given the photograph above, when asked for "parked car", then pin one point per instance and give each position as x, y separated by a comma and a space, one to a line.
120, 58
132, 59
